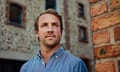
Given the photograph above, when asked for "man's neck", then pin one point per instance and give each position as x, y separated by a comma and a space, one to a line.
48, 52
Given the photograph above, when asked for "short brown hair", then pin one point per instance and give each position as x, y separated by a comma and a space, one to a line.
49, 11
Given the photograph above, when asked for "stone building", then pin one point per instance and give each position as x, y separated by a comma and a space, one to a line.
91, 29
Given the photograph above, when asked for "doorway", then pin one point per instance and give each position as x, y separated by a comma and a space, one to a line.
8, 65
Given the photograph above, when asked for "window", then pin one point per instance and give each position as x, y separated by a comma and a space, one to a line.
15, 14
80, 10
83, 34
51, 4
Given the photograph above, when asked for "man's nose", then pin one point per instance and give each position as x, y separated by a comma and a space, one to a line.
50, 28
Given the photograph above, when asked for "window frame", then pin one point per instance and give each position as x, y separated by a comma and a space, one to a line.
85, 40
55, 5
23, 15
81, 15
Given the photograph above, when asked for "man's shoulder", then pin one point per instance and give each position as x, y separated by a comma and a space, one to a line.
28, 64
72, 57
77, 62
74, 61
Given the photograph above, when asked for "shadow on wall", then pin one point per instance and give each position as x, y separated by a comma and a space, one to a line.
87, 62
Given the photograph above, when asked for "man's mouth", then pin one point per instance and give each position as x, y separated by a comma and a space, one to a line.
50, 36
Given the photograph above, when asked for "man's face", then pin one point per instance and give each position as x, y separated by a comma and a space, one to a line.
49, 32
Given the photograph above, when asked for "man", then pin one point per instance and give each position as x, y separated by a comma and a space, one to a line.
52, 57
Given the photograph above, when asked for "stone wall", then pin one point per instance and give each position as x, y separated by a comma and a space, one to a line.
73, 21
74, 45
21, 43
17, 42
15, 39
105, 22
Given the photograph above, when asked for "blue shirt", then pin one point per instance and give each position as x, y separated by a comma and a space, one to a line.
60, 61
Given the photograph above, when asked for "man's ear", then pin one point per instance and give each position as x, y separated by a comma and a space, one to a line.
37, 36
36, 33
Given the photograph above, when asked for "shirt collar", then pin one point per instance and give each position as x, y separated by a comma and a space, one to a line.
57, 53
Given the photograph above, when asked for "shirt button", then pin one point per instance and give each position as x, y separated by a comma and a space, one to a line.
42, 62
56, 56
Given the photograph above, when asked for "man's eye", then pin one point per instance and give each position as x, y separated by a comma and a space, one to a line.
44, 25
55, 24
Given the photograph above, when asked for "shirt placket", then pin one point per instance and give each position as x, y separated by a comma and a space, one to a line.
43, 66
48, 66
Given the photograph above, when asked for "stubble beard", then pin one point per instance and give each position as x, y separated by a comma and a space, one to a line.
51, 45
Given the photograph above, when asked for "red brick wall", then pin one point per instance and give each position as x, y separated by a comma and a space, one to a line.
105, 67
105, 23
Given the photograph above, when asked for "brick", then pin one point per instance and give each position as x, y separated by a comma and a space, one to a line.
101, 37
114, 4
98, 9
107, 51
103, 52
105, 21
105, 67
117, 33
92, 1
116, 50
